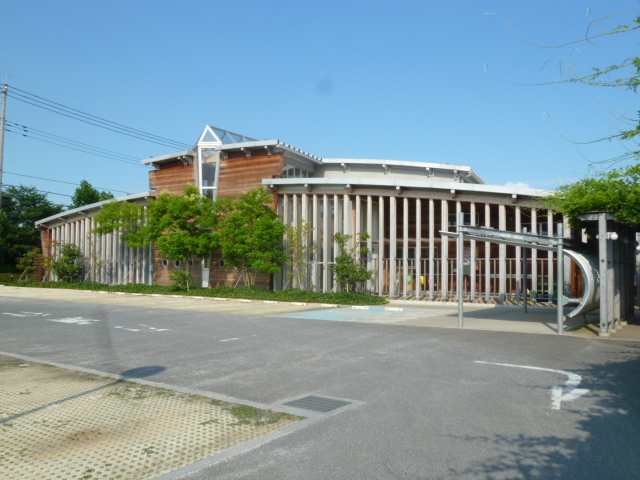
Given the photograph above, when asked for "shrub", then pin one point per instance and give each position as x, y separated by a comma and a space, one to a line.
68, 266
180, 279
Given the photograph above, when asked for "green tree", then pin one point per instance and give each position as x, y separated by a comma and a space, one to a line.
28, 263
299, 248
125, 217
86, 194
68, 265
346, 267
181, 227
616, 192
21, 207
250, 234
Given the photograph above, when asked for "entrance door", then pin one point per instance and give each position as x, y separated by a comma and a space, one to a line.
206, 266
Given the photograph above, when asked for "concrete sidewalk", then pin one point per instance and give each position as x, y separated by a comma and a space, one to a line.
63, 423
488, 317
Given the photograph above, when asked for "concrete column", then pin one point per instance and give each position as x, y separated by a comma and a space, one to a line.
521, 290
370, 285
551, 233
294, 211
487, 255
315, 243
357, 224
418, 250
285, 209
381, 245
346, 216
432, 241
502, 249
326, 236
393, 274
444, 254
472, 262
304, 214
337, 225
405, 246
534, 252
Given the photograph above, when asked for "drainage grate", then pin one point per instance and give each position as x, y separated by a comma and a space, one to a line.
318, 404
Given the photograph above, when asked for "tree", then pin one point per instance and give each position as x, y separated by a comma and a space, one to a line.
616, 192
28, 263
125, 217
250, 234
298, 250
21, 207
346, 267
181, 227
69, 263
86, 194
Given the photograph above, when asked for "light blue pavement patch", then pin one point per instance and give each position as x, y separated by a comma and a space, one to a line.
379, 314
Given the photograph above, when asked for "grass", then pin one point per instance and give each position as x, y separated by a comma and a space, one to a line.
246, 414
253, 293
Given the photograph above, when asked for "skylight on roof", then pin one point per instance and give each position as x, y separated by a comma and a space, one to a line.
219, 136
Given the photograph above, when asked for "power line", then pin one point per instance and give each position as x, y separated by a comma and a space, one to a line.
62, 181
26, 130
130, 162
41, 191
23, 131
60, 109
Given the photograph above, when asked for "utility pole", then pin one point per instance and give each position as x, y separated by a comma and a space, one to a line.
2, 117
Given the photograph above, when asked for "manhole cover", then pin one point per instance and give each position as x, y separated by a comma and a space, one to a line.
318, 404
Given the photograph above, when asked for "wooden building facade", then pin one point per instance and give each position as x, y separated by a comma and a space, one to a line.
401, 205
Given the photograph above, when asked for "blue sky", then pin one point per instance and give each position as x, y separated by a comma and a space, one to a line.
396, 80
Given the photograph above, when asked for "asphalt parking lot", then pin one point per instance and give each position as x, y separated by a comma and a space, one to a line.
426, 401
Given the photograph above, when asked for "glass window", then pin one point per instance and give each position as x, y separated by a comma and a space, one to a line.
208, 174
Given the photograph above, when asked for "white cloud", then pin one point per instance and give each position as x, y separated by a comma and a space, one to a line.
517, 184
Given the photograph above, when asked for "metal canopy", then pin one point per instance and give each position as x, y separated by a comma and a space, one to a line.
587, 263
526, 240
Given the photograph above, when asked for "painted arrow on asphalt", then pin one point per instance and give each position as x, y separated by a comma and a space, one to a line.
573, 380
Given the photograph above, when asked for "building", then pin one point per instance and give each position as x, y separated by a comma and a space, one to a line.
402, 205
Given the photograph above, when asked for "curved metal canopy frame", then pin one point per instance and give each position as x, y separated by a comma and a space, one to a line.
587, 262
590, 300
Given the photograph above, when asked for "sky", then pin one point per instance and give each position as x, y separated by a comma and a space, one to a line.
428, 81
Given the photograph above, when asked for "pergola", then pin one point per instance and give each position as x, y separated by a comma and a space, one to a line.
608, 271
